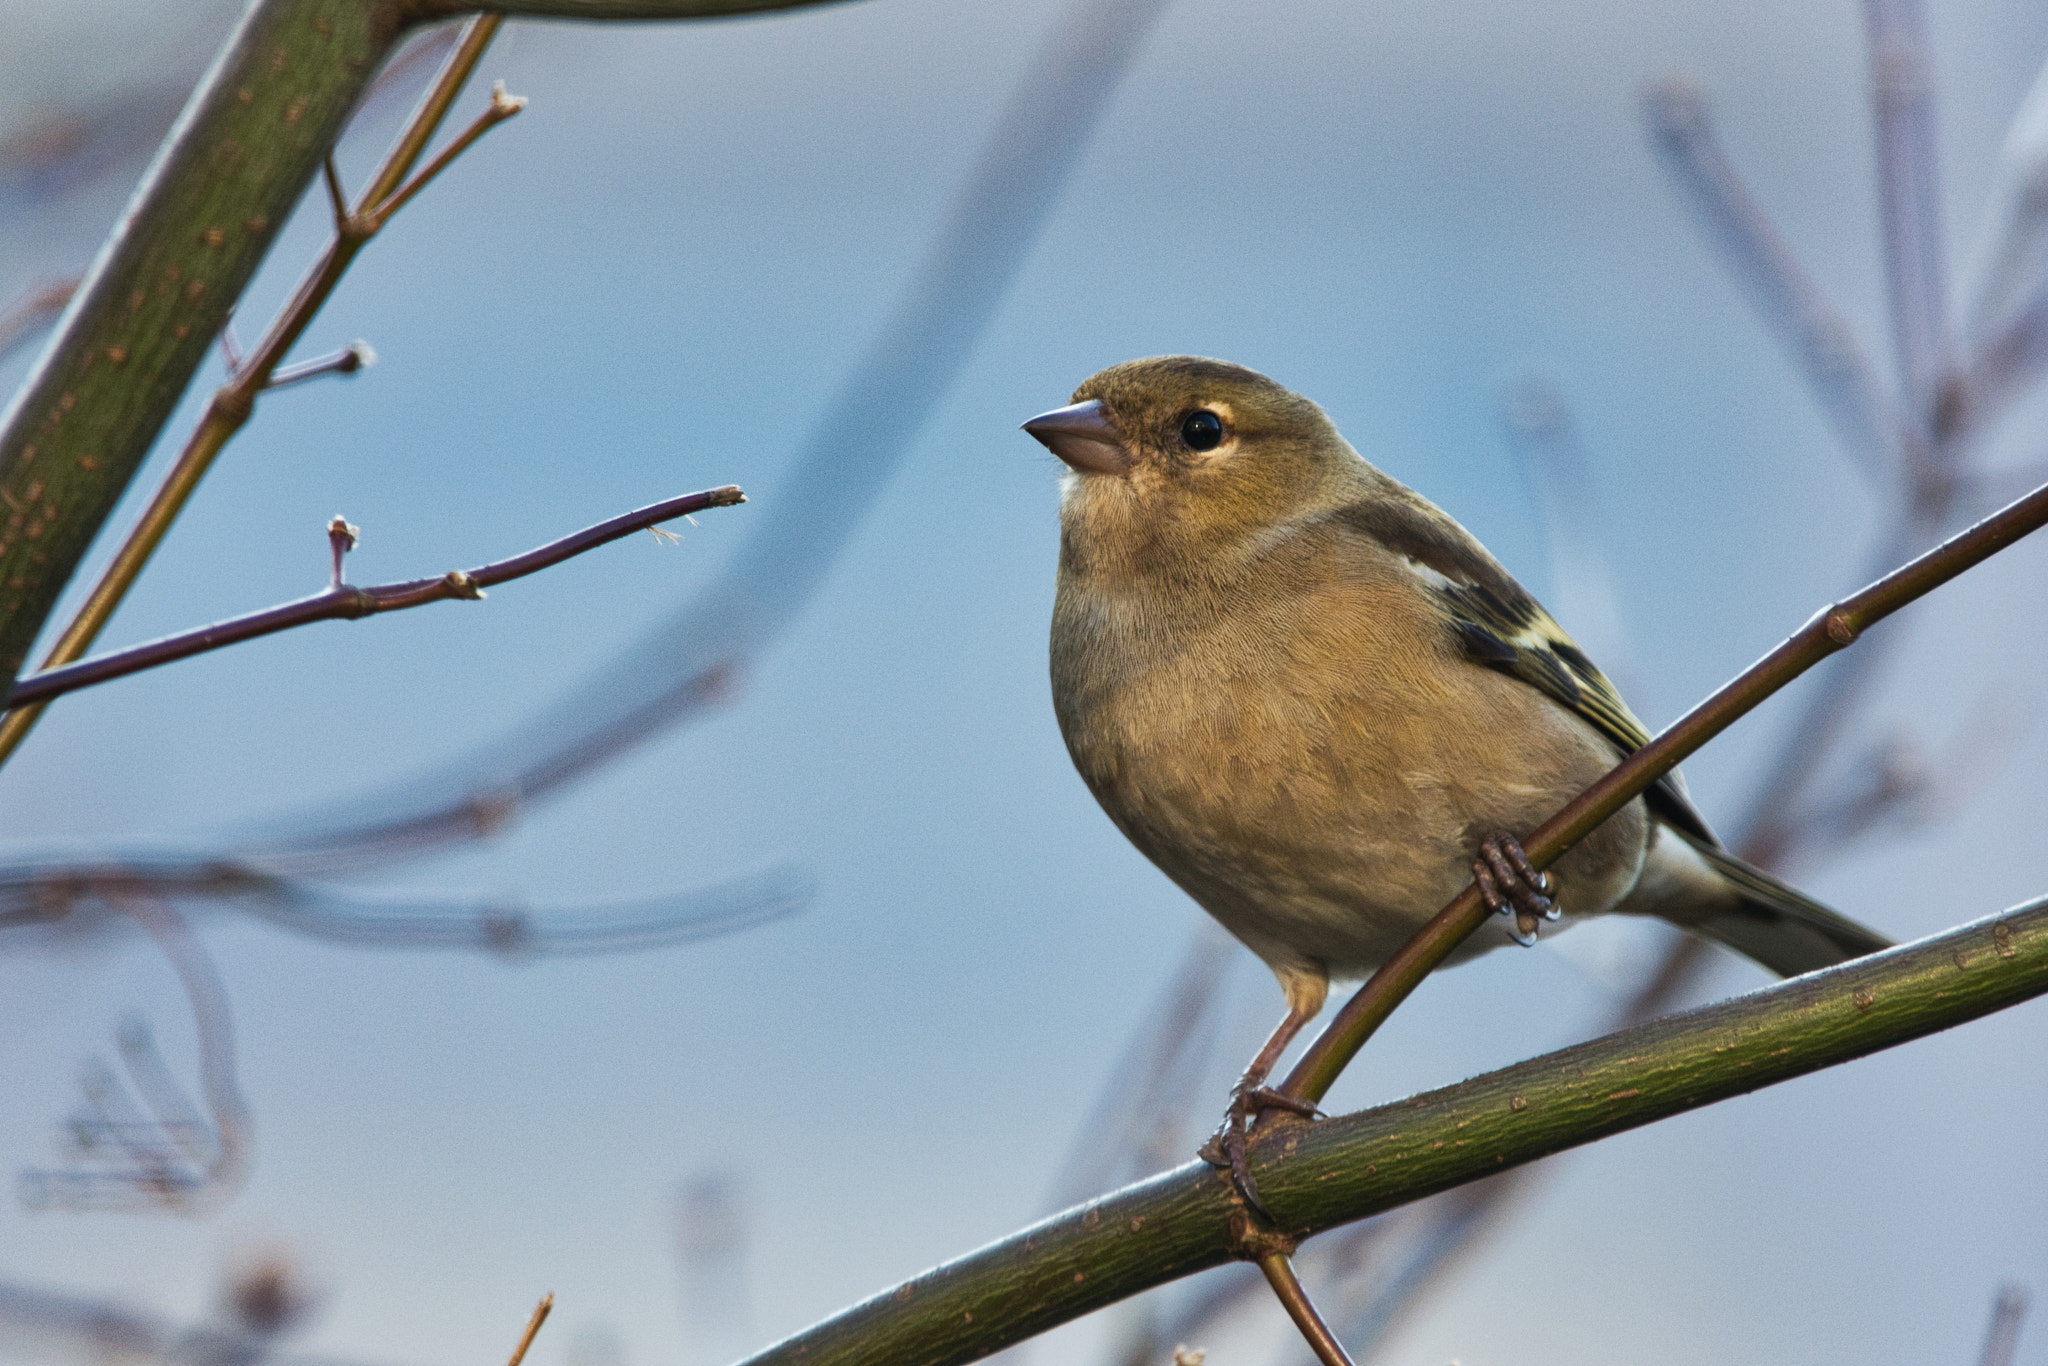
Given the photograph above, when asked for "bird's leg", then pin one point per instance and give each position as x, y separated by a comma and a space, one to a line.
1251, 1096
1511, 885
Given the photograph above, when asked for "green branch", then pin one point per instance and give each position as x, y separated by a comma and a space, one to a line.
1317, 1176
232, 170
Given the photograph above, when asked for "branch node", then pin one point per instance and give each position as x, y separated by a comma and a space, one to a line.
502, 107
228, 350
1841, 627
461, 584
1254, 1240
344, 222
234, 401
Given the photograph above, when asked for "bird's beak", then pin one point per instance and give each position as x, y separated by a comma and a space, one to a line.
1084, 437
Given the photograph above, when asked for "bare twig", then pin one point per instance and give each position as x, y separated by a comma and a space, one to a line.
692, 659
357, 355
1287, 1288
540, 1316
502, 106
235, 401
1833, 629
342, 602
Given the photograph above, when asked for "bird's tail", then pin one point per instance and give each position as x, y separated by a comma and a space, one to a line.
1775, 924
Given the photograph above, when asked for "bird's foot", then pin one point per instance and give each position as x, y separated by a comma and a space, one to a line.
1229, 1147
1511, 885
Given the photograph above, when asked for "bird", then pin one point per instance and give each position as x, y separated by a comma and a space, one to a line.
1322, 708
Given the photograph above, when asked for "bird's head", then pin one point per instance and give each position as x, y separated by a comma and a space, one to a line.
1175, 461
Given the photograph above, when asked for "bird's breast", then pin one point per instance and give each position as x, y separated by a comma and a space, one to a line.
1313, 768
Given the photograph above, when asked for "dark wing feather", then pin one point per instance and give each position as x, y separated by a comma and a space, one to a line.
1499, 626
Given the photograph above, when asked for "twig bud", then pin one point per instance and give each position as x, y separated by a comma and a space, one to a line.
342, 536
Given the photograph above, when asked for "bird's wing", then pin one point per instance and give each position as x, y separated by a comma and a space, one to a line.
1499, 626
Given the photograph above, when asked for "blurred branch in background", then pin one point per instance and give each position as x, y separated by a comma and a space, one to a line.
1542, 430
144, 1145
1757, 255
22, 321
68, 131
713, 1251
260, 1304
2002, 1337
1909, 216
72, 903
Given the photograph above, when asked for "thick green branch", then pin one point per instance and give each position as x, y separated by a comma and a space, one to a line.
1317, 1176
141, 324
233, 168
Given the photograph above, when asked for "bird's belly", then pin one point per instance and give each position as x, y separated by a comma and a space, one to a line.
1323, 831
1296, 870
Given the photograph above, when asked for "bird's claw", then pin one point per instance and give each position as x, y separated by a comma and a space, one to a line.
1229, 1147
1511, 885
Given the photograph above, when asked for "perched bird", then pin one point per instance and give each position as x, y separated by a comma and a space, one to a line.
1322, 708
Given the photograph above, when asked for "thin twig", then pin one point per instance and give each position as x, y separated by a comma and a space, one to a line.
235, 401
540, 1316
359, 355
1294, 1299
1830, 630
707, 643
502, 107
344, 602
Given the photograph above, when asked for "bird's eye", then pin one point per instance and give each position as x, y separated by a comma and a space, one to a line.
1202, 430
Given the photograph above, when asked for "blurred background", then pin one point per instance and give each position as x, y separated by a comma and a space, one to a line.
1434, 219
